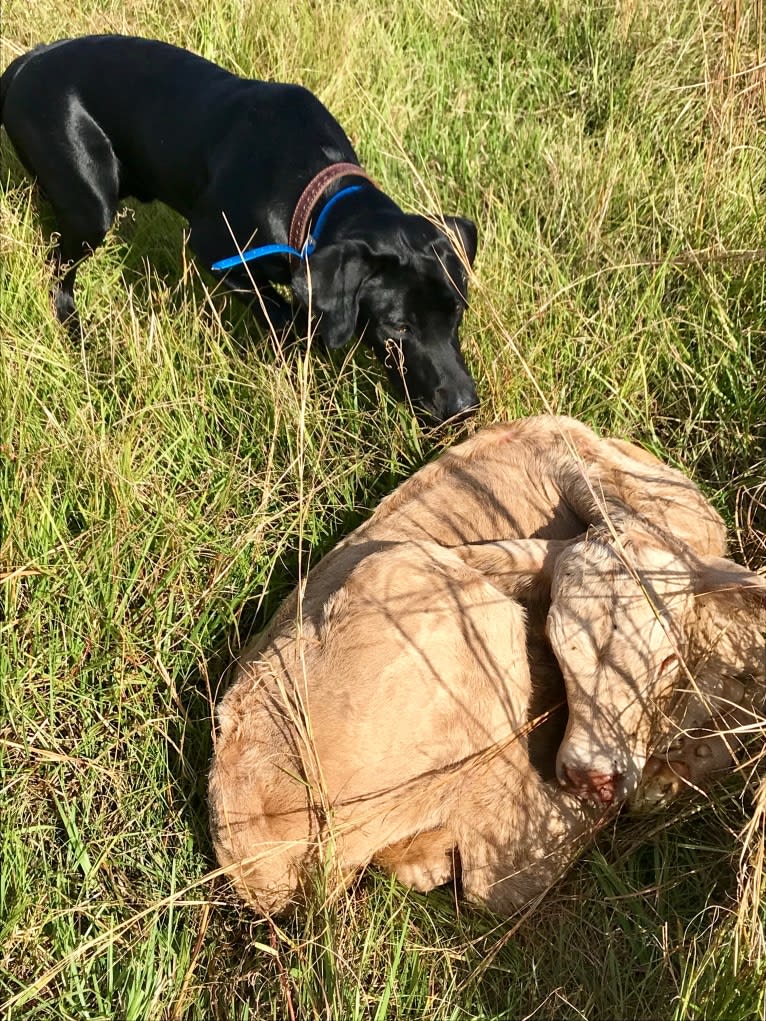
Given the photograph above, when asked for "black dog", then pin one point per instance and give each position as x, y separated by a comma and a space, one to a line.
101, 118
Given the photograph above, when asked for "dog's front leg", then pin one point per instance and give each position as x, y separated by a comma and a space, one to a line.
63, 295
272, 312
252, 282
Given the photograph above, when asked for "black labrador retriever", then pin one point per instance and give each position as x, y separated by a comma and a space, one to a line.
100, 118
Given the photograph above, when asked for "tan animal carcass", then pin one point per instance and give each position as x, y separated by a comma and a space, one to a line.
386, 715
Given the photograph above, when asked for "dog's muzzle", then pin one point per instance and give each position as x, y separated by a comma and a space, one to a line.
452, 406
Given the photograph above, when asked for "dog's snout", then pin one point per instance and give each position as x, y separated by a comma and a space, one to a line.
451, 405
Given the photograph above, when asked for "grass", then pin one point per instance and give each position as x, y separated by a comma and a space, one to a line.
163, 483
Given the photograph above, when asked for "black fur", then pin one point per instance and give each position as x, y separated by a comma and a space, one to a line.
100, 118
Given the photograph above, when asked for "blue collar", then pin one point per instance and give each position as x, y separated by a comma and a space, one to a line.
308, 246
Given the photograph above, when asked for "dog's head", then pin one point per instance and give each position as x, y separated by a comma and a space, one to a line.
402, 288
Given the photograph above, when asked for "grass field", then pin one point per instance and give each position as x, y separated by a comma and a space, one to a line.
162, 482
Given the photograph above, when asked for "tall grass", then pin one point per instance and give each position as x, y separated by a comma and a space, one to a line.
163, 482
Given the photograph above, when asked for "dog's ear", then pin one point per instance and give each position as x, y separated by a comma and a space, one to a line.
329, 284
465, 236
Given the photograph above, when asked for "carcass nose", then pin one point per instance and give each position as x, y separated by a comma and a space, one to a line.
591, 785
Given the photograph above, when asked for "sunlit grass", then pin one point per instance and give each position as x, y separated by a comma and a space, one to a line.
163, 482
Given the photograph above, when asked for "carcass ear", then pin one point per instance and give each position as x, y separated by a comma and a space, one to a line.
329, 285
717, 575
515, 565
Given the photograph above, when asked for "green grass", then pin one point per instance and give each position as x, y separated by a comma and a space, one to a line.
163, 483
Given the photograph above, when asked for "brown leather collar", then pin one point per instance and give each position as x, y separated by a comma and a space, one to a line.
311, 195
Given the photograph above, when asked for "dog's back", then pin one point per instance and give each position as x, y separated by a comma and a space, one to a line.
9, 74
124, 96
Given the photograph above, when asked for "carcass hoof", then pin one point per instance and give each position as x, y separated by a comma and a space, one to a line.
690, 759
662, 781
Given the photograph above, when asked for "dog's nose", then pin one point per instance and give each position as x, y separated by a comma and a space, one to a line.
452, 405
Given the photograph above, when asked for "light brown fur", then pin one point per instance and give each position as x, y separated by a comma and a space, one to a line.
385, 715
400, 708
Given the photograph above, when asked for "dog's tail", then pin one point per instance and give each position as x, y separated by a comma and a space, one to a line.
11, 71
